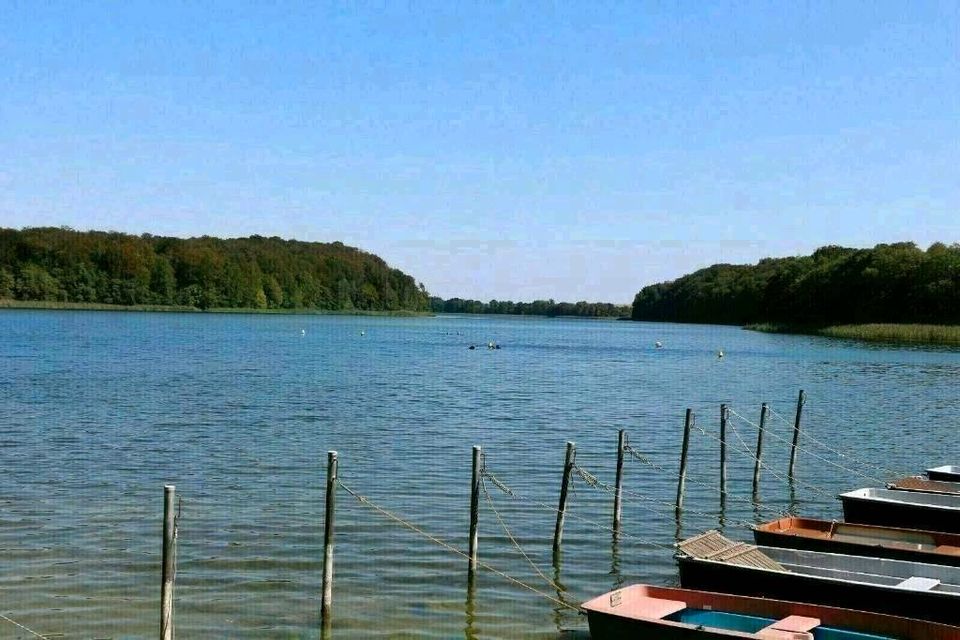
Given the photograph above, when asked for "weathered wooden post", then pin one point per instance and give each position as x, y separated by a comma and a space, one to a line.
681, 481
169, 566
757, 462
723, 452
618, 491
801, 400
328, 524
474, 510
564, 486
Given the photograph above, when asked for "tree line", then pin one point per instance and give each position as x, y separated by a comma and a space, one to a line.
891, 283
60, 264
536, 308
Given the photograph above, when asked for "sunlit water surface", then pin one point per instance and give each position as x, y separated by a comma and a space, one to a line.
100, 410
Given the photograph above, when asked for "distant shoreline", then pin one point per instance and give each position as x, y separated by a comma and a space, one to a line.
99, 306
931, 334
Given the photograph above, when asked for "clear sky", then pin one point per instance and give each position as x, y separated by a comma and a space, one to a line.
512, 151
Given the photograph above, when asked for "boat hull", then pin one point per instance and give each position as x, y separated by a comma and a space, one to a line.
945, 474
747, 581
621, 614
902, 515
877, 542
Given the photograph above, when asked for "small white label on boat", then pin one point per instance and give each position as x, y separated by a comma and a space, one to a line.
615, 598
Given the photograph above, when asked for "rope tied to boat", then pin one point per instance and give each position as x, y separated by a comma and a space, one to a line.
363, 500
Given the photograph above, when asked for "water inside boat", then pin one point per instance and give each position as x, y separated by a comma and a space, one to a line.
754, 624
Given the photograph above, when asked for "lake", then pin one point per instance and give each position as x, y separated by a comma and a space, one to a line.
101, 409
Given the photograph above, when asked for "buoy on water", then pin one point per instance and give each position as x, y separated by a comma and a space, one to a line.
658, 344
720, 353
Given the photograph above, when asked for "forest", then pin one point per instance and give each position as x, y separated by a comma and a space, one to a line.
890, 283
536, 308
60, 264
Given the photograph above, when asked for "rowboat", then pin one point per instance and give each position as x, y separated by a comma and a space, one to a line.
664, 613
909, 509
949, 473
860, 540
912, 589
916, 483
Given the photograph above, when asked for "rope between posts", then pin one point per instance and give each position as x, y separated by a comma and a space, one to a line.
449, 547
724, 492
27, 629
596, 483
514, 540
807, 451
816, 455
764, 465
805, 434
513, 494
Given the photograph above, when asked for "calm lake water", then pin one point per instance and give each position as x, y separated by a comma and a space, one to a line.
102, 409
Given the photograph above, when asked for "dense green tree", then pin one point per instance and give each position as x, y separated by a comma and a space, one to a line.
538, 307
889, 283
6, 284
257, 272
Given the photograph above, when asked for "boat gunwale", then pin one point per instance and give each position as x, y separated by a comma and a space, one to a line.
832, 616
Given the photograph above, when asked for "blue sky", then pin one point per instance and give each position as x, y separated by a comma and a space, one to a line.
492, 150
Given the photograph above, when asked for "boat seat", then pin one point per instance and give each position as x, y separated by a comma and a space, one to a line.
948, 549
790, 628
647, 607
779, 634
919, 584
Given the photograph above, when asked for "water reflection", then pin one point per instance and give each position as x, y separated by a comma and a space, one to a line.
615, 572
469, 630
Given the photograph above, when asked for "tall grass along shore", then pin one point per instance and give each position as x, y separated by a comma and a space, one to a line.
99, 306
874, 332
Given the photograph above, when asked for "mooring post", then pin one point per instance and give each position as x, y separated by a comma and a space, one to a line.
328, 524
757, 462
801, 400
618, 492
474, 510
723, 452
681, 481
169, 566
564, 486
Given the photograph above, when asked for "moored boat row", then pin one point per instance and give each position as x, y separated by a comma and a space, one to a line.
890, 571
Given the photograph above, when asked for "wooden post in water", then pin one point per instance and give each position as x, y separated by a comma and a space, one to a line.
801, 400
169, 566
723, 451
681, 481
618, 491
474, 510
757, 462
564, 486
328, 524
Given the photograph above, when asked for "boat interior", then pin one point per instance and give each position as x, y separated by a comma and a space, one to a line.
912, 576
636, 602
907, 539
943, 501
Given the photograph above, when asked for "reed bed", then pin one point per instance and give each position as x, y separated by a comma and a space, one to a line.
873, 332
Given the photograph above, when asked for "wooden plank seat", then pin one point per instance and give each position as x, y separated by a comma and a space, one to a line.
790, 628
